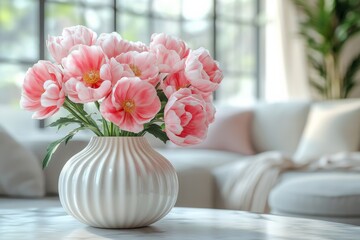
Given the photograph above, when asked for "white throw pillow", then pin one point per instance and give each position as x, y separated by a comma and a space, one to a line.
279, 126
231, 132
332, 127
20, 171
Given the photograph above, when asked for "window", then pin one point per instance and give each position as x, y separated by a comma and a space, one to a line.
238, 49
228, 28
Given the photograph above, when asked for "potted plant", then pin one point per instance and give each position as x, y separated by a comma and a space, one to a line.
327, 26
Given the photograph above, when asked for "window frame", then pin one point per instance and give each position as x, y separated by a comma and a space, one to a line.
151, 16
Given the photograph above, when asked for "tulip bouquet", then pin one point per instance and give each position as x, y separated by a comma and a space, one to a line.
164, 88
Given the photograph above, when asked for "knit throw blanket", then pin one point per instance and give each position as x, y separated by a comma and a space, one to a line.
249, 182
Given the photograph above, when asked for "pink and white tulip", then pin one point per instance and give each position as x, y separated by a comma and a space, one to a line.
168, 61
130, 80
210, 108
170, 43
185, 118
131, 104
143, 65
202, 71
174, 82
42, 90
60, 46
113, 45
82, 68
114, 71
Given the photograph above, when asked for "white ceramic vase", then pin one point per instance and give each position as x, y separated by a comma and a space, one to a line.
118, 182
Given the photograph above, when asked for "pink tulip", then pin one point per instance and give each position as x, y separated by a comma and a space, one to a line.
210, 108
168, 61
173, 82
113, 45
185, 118
42, 90
82, 69
143, 65
170, 43
114, 71
176, 81
60, 46
131, 104
202, 71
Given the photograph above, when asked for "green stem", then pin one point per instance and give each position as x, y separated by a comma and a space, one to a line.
160, 115
74, 111
83, 113
107, 131
112, 130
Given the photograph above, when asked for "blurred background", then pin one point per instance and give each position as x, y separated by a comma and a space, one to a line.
256, 42
234, 41
230, 29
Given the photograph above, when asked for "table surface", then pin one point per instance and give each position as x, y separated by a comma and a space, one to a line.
180, 223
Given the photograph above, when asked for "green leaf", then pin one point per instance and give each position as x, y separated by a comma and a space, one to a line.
318, 87
319, 67
305, 7
353, 67
349, 78
163, 104
80, 106
162, 96
157, 131
54, 145
64, 121
347, 89
327, 26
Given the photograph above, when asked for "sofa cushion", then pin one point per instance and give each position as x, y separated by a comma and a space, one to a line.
231, 131
278, 126
332, 127
327, 194
20, 172
194, 169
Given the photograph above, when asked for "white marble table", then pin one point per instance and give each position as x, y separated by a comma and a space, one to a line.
180, 223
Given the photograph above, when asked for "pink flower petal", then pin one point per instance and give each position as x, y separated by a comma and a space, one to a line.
42, 90
60, 46
185, 118
131, 104
82, 68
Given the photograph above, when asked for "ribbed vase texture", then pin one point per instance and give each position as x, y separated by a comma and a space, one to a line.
118, 182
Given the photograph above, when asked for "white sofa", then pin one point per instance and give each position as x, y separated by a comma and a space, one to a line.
287, 127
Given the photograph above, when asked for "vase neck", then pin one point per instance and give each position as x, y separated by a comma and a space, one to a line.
120, 141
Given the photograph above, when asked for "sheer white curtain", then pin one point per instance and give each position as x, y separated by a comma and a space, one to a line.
285, 57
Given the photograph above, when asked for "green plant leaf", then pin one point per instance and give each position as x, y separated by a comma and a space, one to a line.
318, 87
64, 121
327, 26
350, 74
353, 67
305, 7
157, 131
347, 89
80, 106
163, 99
348, 22
54, 145
319, 67
162, 96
